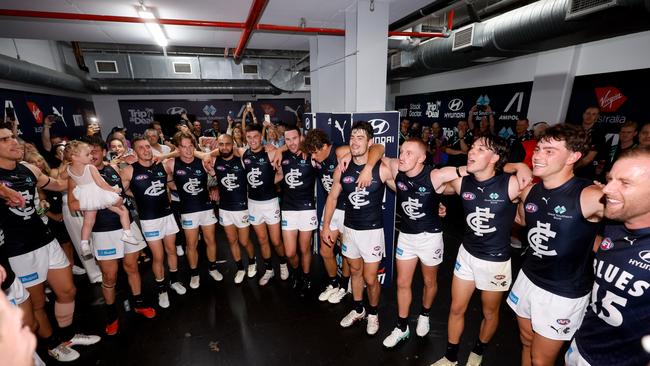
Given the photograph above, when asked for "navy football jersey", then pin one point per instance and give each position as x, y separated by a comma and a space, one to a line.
618, 315
149, 187
363, 206
232, 184
489, 214
107, 220
326, 171
417, 202
298, 183
560, 239
192, 185
260, 175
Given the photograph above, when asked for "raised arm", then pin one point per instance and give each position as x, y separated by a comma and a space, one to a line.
45, 135
330, 205
43, 181
442, 178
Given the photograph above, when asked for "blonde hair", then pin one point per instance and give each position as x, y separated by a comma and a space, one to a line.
72, 148
34, 158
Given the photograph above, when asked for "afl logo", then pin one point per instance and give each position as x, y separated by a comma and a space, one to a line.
499, 277
606, 244
221, 167
645, 255
180, 172
379, 126
402, 186
247, 161
531, 207
285, 162
141, 177
176, 110
563, 321
348, 179
455, 105
468, 196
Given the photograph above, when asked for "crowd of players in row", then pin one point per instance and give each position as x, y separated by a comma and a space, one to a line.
550, 295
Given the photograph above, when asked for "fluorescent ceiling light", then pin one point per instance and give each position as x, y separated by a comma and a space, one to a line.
154, 28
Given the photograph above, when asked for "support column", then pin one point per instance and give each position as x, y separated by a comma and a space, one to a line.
366, 44
326, 61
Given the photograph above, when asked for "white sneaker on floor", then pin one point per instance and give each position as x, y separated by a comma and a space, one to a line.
195, 282
444, 362
163, 300
396, 336
63, 353
336, 297
78, 271
178, 288
329, 291
216, 275
515, 243
239, 276
373, 324
268, 274
284, 272
423, 326
83, 340
179, 251
129, 239
252, 270
474, 359
352, 318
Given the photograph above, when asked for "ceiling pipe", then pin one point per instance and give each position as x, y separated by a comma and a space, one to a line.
193, 23
254, 15
419, 14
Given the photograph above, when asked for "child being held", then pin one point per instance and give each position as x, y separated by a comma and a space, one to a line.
93, 193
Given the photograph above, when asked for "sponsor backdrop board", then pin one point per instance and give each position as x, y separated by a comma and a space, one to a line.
30, 109
621, 96
508, 102
138, 114
386, 131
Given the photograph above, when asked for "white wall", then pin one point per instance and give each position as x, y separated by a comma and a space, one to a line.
551, 72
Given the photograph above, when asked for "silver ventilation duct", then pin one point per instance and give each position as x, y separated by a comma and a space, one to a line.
21, 71
506, 35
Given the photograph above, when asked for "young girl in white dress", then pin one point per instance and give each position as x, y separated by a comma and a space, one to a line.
93, 193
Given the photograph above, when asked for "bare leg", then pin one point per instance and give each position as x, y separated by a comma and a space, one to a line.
89, 222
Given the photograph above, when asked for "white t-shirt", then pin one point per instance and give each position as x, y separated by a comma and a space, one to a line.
164, 150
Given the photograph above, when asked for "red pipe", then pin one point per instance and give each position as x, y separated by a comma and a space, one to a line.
195, 23
254, 16
450, 19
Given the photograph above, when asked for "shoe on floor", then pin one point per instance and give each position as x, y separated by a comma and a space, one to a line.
252, 270
149, 312
179, 251
83, 340
163, 300
396, 336
195, 282
329, 291
216, 275
284, 272
239, 276
63, 353
474, 359
336, 297
423, 326
112, 328
268, 274
373, 324
178, 288
444, 362
352, 318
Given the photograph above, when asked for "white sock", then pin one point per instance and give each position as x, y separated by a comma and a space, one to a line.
84, 242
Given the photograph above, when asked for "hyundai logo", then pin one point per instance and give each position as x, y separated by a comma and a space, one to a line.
645, 255
455, 105
176, 110
379, 126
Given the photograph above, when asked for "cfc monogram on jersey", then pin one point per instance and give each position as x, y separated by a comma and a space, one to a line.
231, 179
191, 181
149, 188
299, 179
418, 203
259, 175
489, 214
363, 208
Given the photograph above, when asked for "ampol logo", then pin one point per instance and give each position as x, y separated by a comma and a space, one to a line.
610, 99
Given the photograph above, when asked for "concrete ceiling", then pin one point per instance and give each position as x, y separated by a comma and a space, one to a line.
330, 14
